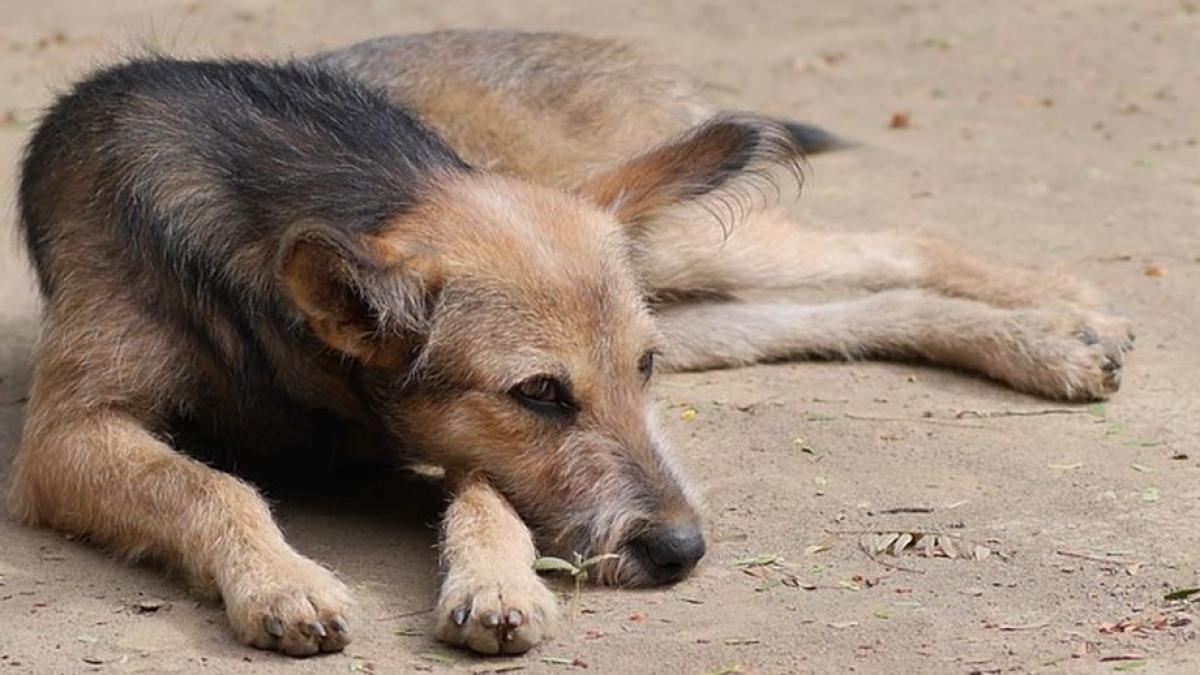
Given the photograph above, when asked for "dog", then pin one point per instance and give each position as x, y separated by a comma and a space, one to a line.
465, 249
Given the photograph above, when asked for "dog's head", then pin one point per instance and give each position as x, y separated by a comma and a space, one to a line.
503, 327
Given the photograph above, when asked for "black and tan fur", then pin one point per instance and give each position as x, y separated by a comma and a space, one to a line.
443, 249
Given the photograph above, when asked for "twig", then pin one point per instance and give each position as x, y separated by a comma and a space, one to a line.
888, 565
1018, 413
892, 531
907, 509
1024, 626
747, 407
1098, 558
921, 420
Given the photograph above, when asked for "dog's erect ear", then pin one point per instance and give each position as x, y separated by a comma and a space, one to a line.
722, 164
359, 295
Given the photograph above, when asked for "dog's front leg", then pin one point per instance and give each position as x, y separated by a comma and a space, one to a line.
491, 600
102, 473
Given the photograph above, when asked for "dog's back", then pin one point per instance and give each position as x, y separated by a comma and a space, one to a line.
549, 107
553, 108
163, 189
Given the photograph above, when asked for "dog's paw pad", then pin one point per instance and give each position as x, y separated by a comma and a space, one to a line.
496, 617
302, 613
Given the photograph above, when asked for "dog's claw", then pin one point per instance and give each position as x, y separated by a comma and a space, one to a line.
514, 618
490, 619
339, 625
1088, 336
314, 628
273, 626
459, 615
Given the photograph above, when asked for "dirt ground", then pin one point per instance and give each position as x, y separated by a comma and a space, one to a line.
1059, 132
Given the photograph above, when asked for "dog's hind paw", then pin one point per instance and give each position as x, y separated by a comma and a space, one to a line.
297, 607
1072, 355
493, 612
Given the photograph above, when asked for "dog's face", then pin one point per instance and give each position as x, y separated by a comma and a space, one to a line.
522, 345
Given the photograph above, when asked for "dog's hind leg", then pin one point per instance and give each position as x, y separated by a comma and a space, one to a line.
491, 601
89, 464
1063, 353
770, 251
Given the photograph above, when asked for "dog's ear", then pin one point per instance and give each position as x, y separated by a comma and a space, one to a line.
359, 294
721, 165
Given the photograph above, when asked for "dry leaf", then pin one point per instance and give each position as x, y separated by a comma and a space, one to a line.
927, 545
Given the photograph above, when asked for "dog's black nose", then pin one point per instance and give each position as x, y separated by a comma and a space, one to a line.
672, 553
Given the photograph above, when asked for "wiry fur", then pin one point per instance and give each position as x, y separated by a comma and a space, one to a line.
379, 251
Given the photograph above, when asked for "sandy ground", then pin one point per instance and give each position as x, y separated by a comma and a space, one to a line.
1060, 132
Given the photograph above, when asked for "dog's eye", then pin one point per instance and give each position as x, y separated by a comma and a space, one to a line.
544, 395
646, 365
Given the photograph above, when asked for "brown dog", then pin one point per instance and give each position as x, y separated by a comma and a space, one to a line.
283, 259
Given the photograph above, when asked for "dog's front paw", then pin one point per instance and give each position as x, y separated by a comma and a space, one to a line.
294, 606
495, 611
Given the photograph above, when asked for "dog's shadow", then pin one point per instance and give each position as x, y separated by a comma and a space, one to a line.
376, 525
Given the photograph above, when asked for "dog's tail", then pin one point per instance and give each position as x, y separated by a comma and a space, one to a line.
814, 140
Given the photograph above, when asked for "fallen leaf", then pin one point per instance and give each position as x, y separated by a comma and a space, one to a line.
761, 560
1151, 495
688, 414
842, 624
557, 660
552, 564
1181, 594
1131, 656
1155, 270
925, 544
730, 669
637, 617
